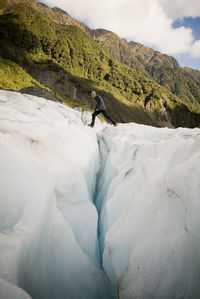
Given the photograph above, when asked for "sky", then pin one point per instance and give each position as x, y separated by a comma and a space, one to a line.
169, 26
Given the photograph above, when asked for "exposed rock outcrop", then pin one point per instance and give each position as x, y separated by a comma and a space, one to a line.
40, 92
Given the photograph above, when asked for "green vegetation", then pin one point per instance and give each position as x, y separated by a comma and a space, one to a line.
164, 69
58, 55
179, 83
13, 77
194, 75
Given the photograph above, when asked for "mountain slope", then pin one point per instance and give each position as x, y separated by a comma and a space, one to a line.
164, 69
195, 74
118, 48
66, 60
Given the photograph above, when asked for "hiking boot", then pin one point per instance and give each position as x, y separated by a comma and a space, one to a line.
115, 124
91, 126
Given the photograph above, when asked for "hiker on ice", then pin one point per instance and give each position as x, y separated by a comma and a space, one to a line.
100, 108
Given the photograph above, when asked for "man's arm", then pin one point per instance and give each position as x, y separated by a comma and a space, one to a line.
97, 103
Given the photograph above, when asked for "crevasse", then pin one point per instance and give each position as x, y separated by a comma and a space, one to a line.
95, 213
48, 222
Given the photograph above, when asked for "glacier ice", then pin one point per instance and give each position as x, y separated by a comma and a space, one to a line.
48, 222
149, 203
95, 213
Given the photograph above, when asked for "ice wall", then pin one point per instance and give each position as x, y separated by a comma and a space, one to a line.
48, 222
149, 200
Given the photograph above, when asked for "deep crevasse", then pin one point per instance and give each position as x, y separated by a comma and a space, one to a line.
145, 185
48, 222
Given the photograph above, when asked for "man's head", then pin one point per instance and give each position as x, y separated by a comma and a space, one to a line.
93, 94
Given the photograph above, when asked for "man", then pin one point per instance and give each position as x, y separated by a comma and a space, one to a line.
100, 108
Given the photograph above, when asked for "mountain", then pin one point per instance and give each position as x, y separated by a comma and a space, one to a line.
102, 213
118, 48
46, 48
195, 74
164, 69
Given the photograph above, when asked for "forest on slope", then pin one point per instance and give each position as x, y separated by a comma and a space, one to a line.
46, 48
164, 69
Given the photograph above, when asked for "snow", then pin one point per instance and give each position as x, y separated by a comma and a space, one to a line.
62, 182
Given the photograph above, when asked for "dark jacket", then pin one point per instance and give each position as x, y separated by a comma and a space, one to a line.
100, 105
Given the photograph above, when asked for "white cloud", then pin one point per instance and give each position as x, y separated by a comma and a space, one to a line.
146, 21
181, 8
195, 50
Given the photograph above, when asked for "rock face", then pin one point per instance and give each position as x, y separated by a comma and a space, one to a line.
149, 57
40, 92
61, 82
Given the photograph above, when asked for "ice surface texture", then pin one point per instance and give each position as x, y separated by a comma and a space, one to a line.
149, 200
48, 222
144, 182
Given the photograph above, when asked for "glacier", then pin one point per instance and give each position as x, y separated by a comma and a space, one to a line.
150, 212
104, 212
